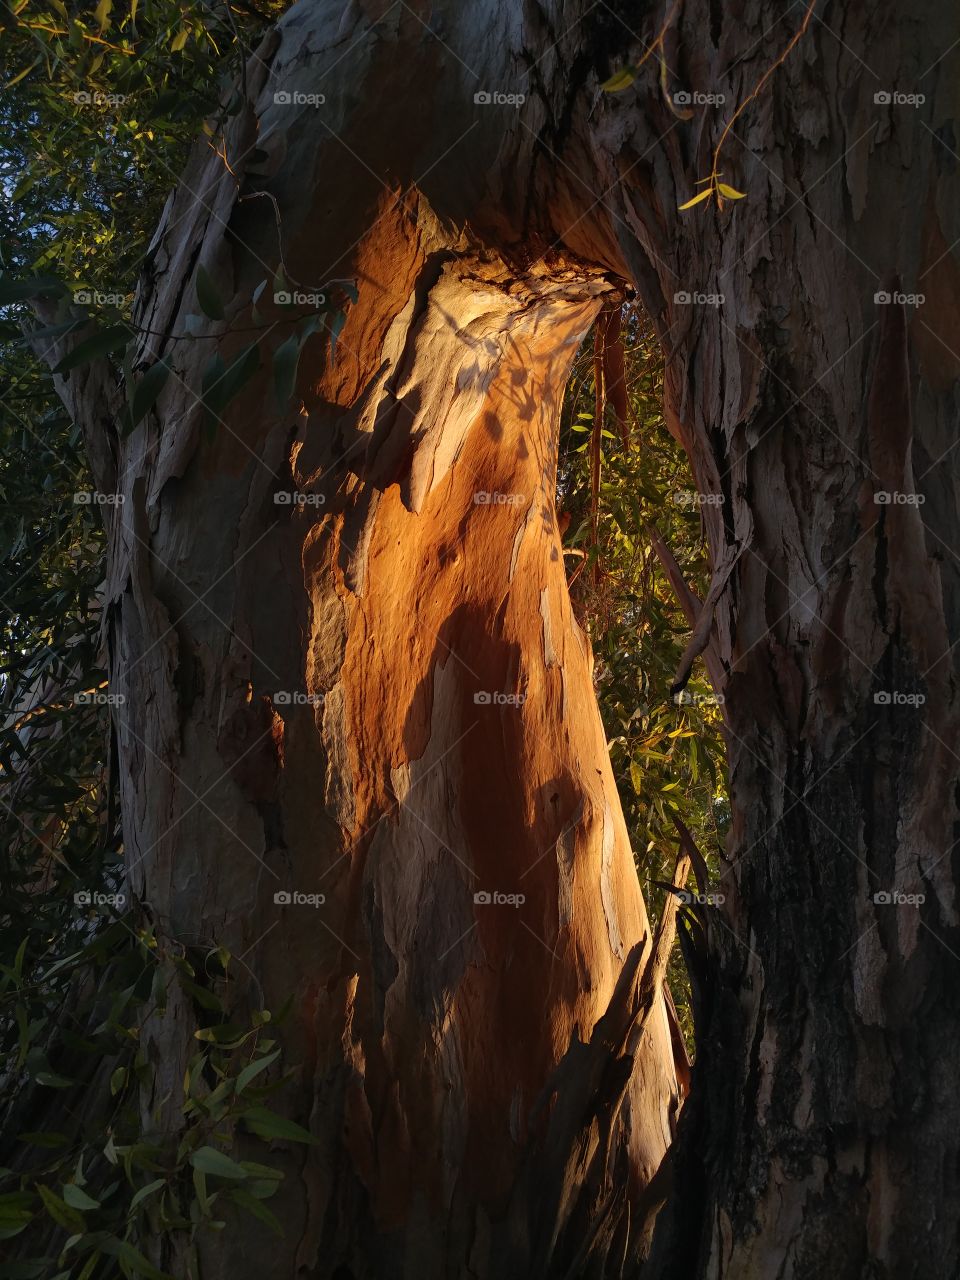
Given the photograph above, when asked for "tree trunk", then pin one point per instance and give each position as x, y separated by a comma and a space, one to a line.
484, 237
351, 669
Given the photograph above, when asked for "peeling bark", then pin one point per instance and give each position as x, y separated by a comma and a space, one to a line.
823, 1119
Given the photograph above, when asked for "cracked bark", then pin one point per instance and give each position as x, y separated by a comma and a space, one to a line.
823, 1118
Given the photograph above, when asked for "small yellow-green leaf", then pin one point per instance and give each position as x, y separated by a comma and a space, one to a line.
729, 192
704, 195
620, 80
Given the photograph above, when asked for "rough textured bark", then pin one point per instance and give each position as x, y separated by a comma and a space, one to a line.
824, 1116
381, 695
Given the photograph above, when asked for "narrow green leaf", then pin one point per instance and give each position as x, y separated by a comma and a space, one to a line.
146, 1191
243, 1200
52, 1080
215, 1163
78, 1199
100, 344
254, 1068
206, 999
147, 391
222, 384
60, 1212
286, 358
267, 1124
125, 1253
620, 80
207, 293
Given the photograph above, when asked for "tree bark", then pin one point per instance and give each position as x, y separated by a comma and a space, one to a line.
375, 690
485, 238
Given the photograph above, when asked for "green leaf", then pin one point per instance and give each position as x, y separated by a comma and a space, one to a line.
100, 344
215, 1163
286, 358
243, 1200
254, 1068
60, 1212
207, 293
206, 999
90, 1266
730, 192
126, 1254
44, 1139
22, 75
147, 391
35, 287
620, 80
227, 1033
52, 1080
78, 1199
150, 1189
223, 383
267, 1124
16, 1212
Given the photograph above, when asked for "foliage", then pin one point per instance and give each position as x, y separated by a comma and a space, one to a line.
84, 178
92, 1182
667, 755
